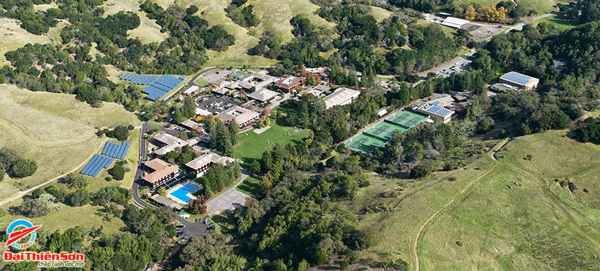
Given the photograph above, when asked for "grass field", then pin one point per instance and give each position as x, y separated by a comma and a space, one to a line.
541, 6
249, 186
55, 130
274, 17
148, 31
14, 37
251, 145
561, 23
69, 217
535, 224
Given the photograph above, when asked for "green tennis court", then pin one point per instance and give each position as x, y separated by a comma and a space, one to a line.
364, 143
385, 131
406, 119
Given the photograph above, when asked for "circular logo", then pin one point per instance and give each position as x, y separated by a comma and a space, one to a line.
17, 231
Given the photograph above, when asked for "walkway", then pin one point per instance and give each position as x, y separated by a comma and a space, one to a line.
229, 200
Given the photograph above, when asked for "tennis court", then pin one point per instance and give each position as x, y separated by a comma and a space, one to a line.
385, 131
406, 119
364, 143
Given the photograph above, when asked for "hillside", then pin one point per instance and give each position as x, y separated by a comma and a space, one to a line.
514, 216
541, 6
52, 129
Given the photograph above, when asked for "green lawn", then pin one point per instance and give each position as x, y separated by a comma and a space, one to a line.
251, 145
561, 23
250, 186
69, 217
541, 6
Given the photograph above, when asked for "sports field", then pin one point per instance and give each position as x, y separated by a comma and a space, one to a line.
513, 217
54, 130
406, 119
383, 132
252, 145
364, 143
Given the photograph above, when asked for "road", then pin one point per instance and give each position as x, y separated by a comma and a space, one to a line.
229, 200
415, 249
519, 27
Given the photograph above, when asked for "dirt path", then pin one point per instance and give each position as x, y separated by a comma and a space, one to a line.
23, 193
415, 250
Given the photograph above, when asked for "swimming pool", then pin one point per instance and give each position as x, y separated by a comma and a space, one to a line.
183, 192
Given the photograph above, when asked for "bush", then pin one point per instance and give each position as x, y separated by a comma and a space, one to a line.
59, 194
75, 180
22, 168
120, 132
117, 172
37, 193
1, 174
79, 198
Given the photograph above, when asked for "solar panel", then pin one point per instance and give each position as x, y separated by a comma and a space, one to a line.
96, 165
516, 77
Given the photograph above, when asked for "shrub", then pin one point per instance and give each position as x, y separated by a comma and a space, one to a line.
117, 172
79, 198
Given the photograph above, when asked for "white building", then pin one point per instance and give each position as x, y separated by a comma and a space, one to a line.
244, 117
341, 96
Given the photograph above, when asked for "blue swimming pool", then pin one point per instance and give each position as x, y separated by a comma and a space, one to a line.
183, 192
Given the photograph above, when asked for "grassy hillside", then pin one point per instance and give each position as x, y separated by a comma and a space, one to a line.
541, 6
55, 130
535, 224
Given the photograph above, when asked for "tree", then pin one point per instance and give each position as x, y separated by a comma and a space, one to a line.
255, 167
74, 180
233, 131
117, 172
79, 198
22, 168
220, 139
198, 206
162, 191
33, 208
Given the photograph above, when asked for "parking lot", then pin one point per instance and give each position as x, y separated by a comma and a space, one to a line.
460, 65
481, 31
216, 103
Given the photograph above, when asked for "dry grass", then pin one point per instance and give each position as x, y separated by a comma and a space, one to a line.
535, 225
55, 130
148, 31
12, 37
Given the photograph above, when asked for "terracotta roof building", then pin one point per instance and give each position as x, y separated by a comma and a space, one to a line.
290, 83
159, 172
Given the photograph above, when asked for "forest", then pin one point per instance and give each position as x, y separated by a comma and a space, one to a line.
360, 35
71, 69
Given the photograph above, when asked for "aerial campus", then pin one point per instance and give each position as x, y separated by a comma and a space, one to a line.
300, 135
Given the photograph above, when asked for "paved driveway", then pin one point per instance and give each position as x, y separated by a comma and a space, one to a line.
229, 200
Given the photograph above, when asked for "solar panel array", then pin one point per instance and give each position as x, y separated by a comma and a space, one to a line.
517, 77
162, 86
138, 79
96, 165
439, 111
115, 150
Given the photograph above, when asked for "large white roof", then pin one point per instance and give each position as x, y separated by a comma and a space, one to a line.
340, 97
454, 22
